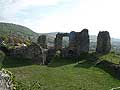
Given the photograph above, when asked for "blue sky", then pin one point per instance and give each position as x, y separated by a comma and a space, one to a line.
45, 16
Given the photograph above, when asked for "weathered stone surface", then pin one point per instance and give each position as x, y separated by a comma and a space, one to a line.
83, 41
110, 67
2, 56
11, 41
18, 52
103, 42
72, 40
42, 41
6, 82
1, 40
78, 43
50, 53
34, 52
58, 40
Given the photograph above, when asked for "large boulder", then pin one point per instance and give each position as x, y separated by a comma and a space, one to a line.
6, 80
103, 42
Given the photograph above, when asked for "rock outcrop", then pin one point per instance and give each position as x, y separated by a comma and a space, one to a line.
6, 82
103, 42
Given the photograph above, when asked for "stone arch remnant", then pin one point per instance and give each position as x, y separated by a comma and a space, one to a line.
58, 40
78, 43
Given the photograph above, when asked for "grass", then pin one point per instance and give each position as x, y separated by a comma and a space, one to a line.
60, 74
111, 57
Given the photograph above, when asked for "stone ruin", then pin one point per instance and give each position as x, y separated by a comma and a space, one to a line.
42, 41
34, 52
103, 42
78, 43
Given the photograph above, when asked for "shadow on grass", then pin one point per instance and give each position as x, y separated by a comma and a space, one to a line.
59, 61
87, 61
11, 62
85, 64
108, 67
92, 60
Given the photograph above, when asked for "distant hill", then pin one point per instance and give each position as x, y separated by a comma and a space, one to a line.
93, 38
17, 30
24, 32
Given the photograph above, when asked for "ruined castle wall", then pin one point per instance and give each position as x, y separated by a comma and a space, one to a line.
78, 43
42, 41
34, 52
58, 40
103, 42
72, 40
83, 41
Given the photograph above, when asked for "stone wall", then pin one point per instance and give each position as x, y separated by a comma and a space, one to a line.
113, 69
83, 42
103, 42
34, 52
42, 41
58, 40
78, 43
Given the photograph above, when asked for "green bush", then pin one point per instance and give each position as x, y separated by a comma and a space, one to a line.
33, 85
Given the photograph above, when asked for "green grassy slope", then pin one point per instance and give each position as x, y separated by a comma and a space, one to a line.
61, 74
18, 30
111, 57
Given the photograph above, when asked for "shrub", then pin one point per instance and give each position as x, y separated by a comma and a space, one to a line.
27, 42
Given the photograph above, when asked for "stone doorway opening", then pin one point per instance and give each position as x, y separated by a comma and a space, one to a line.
65, 42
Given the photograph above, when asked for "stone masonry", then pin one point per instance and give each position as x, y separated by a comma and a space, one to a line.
103, 42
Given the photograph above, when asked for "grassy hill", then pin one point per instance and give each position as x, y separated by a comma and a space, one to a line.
61, 74
17, 30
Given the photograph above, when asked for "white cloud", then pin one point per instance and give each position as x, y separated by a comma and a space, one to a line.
11, 7
96, 15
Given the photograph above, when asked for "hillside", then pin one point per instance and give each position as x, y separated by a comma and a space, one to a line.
17, 30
